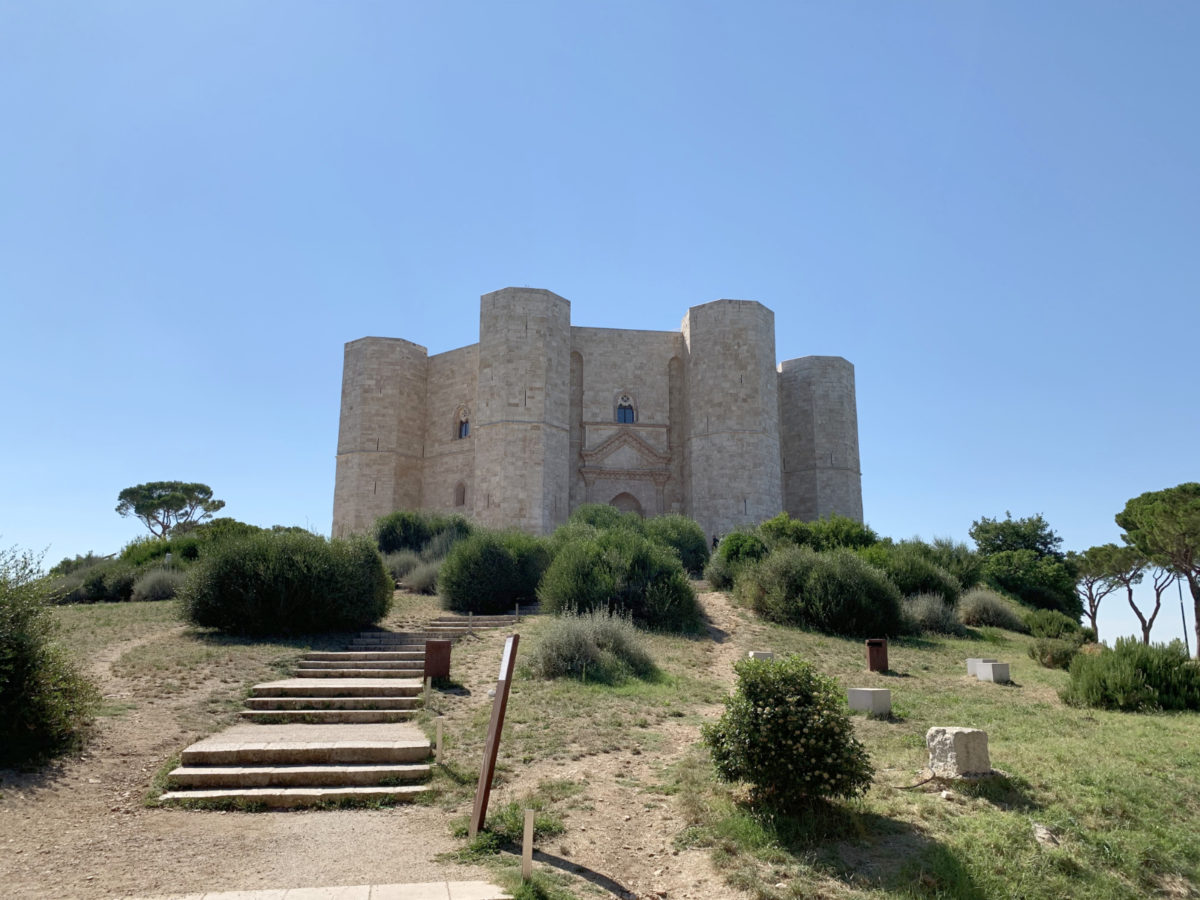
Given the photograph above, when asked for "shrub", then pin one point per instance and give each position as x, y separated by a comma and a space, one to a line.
735, 551
1050, 623
400, 563
408, 529
824, 534
491, 571
785, 731
622, 571
911, 572
836, 592
1135, 677
74, 564
597, 645
983, 606
1043, 582
1054, 653
424, 578
603, 517
930, 614
684, 536
287, 583
957, 559
157, 584
45, 703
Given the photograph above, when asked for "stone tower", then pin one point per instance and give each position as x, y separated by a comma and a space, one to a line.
521, 428
732, 421
819, 441
379, 454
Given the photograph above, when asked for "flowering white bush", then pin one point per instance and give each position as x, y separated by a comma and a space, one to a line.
787, 733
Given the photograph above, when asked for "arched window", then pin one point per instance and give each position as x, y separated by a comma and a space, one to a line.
626, 415
460, 494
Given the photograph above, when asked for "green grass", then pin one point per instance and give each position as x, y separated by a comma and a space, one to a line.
1120, 791
85, 629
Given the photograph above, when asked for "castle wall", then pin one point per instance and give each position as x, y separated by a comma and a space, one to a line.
522, 427
732, 414
819, 442
380, 432
449, 461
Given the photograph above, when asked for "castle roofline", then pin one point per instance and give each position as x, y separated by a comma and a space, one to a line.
389, 340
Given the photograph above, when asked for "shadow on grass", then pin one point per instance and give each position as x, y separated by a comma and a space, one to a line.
864, 850
1006, 792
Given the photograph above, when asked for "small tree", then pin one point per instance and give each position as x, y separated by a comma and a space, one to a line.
1165, 527
1031, 533
1092, 582
164, 505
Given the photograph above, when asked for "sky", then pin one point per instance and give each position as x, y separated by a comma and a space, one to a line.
991, 209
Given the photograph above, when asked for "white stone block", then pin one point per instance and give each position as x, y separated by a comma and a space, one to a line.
973, 665
993, 671
875, 701
760, 654
958, 752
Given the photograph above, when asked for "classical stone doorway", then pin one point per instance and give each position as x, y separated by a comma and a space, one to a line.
627, 503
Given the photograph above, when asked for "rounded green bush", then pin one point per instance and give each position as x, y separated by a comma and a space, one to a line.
603, 517
158, 584
591, 646
1054, 653
490, 572
1050, 623
930, 614
836, 592
911, 571
287, 583
785, 732
735, 551
682, 534
983, 606
622, 571
408, 529
45, 703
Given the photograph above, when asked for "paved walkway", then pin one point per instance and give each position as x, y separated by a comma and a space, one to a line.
429, 890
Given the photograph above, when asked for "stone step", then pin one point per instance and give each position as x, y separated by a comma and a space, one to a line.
319, 703
294, 797
359, 672
360, 655
327, 716
339, 687
294, 776
414, 664
309, 744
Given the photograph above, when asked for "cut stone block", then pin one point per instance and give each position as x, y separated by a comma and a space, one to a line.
958, 752
993, 671
973, 665
760, 654
876, 701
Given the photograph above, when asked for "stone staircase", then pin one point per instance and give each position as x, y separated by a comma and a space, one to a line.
336, 732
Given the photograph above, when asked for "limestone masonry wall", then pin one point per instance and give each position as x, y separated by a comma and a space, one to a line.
540, 416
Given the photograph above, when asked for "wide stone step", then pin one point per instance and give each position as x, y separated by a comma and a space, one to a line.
339, 687
361, 655
360, 672
295, 797
309, 744
214, 777
414, 664
316, 703
327, 716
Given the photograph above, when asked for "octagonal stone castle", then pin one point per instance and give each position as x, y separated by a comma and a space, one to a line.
541, 416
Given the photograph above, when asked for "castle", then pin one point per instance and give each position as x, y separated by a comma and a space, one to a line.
541, 416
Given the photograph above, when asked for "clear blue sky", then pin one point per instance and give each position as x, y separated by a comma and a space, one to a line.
991, 209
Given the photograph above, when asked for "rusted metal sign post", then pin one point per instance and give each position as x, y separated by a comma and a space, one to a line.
492, 745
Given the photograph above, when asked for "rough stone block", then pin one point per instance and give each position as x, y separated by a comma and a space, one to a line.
956, 752
973, 665
875, 701
760, 654
993, 671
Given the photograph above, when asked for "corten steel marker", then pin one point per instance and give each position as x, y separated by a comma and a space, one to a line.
877, 654
492, 746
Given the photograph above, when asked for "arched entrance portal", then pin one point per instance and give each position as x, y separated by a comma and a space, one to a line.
627, 503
